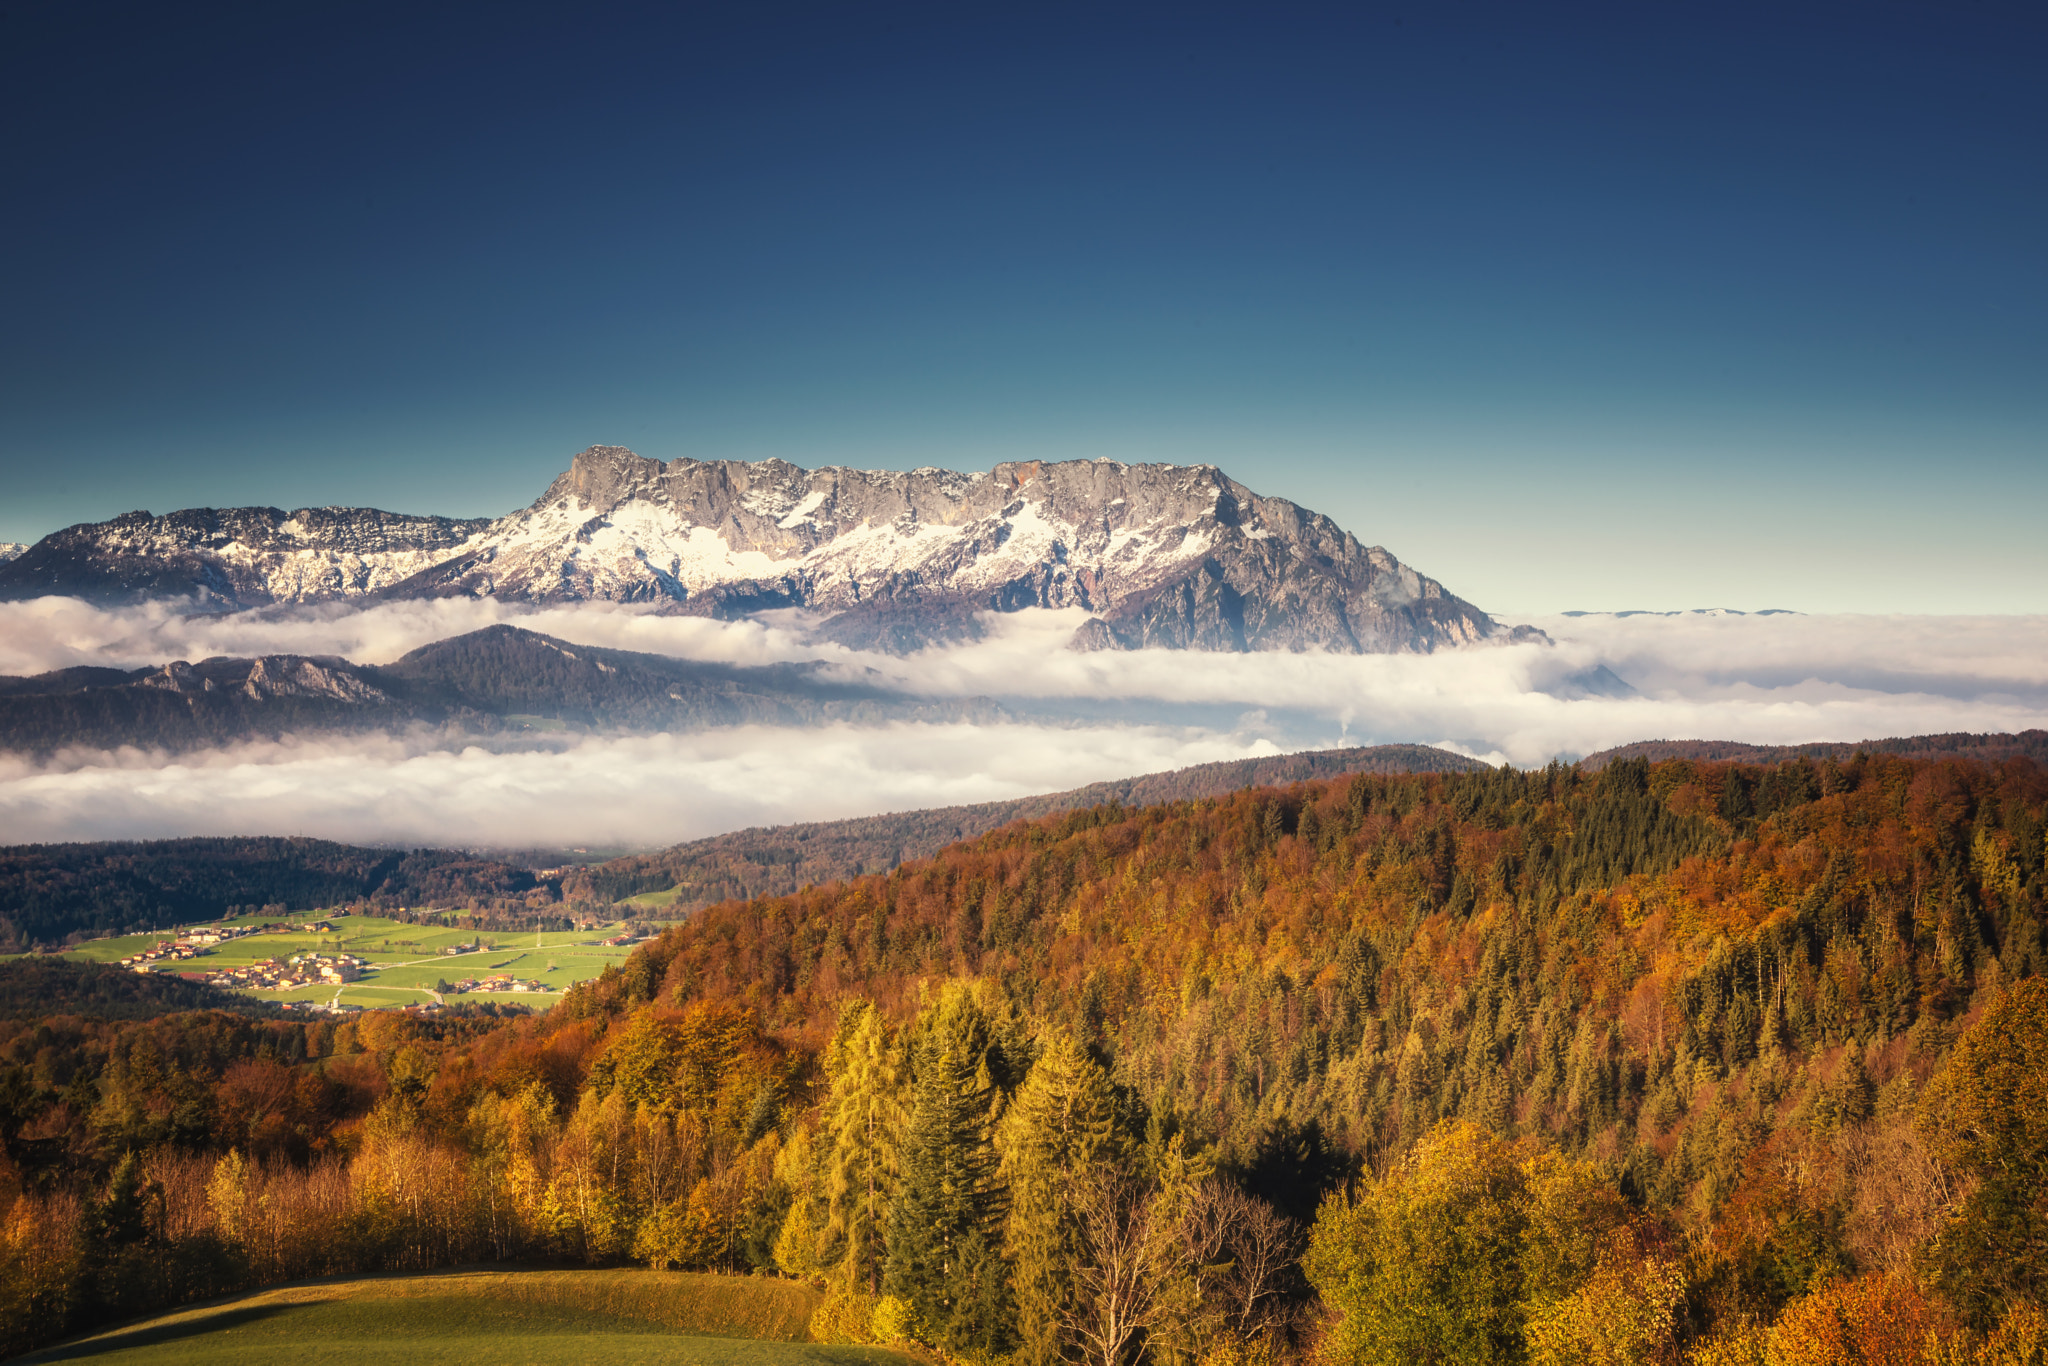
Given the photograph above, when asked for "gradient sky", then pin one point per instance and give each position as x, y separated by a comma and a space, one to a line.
1570, 306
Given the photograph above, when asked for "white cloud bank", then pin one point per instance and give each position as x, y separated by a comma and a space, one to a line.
644, 790
1774, 679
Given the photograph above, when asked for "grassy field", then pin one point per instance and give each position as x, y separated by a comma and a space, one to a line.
576, 1318
405, 960
654, 901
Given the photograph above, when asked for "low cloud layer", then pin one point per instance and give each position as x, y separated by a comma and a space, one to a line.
1773, 679
637, 790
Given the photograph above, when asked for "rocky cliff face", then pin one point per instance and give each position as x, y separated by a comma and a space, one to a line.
1159, 555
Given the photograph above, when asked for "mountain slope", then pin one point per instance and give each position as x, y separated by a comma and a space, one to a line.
1160, 555
498, 680
2029, 744
777, 860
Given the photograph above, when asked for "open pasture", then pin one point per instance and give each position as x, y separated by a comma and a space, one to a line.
406, 962
575, 1318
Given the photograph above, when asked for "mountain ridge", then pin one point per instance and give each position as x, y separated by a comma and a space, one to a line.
501, 680
1988, 747
1173, 556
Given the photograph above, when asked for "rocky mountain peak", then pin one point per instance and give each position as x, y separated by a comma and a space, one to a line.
1178, 556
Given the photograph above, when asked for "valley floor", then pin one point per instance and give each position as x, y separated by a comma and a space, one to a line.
402, 964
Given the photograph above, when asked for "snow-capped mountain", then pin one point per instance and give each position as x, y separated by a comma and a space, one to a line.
1161, 555
10, 550
235, 557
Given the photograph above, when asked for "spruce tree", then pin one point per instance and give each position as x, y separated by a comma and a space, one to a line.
944, 1230
1062, 1123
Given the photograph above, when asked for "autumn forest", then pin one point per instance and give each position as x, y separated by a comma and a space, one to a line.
1676, 1062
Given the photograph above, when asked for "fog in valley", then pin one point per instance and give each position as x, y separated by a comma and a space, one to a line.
1075, 717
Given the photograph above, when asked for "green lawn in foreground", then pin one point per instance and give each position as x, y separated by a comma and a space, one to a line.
576, 1318
406, 961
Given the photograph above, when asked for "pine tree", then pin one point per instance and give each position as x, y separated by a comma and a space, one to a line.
944, 1227
1062, 1123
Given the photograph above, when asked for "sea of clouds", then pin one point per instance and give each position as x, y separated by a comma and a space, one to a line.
1078, 717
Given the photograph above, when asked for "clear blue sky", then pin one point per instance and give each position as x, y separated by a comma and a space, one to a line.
1572, 306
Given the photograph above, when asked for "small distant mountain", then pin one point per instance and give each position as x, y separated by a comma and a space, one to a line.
1176, 556
1693, 612
2027, 744
498, 681
776, 860
10, 550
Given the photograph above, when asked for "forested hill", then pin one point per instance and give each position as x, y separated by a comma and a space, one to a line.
2030, 744
1650, 904
49, 892
41, 987
776, 860
1726, 986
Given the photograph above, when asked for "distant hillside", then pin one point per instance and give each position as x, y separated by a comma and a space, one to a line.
57, 986
776, 860
51, 891
2029, 744
497, 681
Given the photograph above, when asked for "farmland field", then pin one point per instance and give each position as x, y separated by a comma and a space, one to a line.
406, 962
577, 1318
654, 901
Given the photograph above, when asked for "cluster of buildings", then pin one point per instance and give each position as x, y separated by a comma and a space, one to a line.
302, 970
203, 939
191, 944
501, 984
327, 967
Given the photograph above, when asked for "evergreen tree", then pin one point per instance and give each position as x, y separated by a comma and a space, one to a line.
944, 1227
861, 1122
1063, 1122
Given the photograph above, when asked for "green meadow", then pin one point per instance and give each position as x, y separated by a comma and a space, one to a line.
654, 901
575, 1318
405, 961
